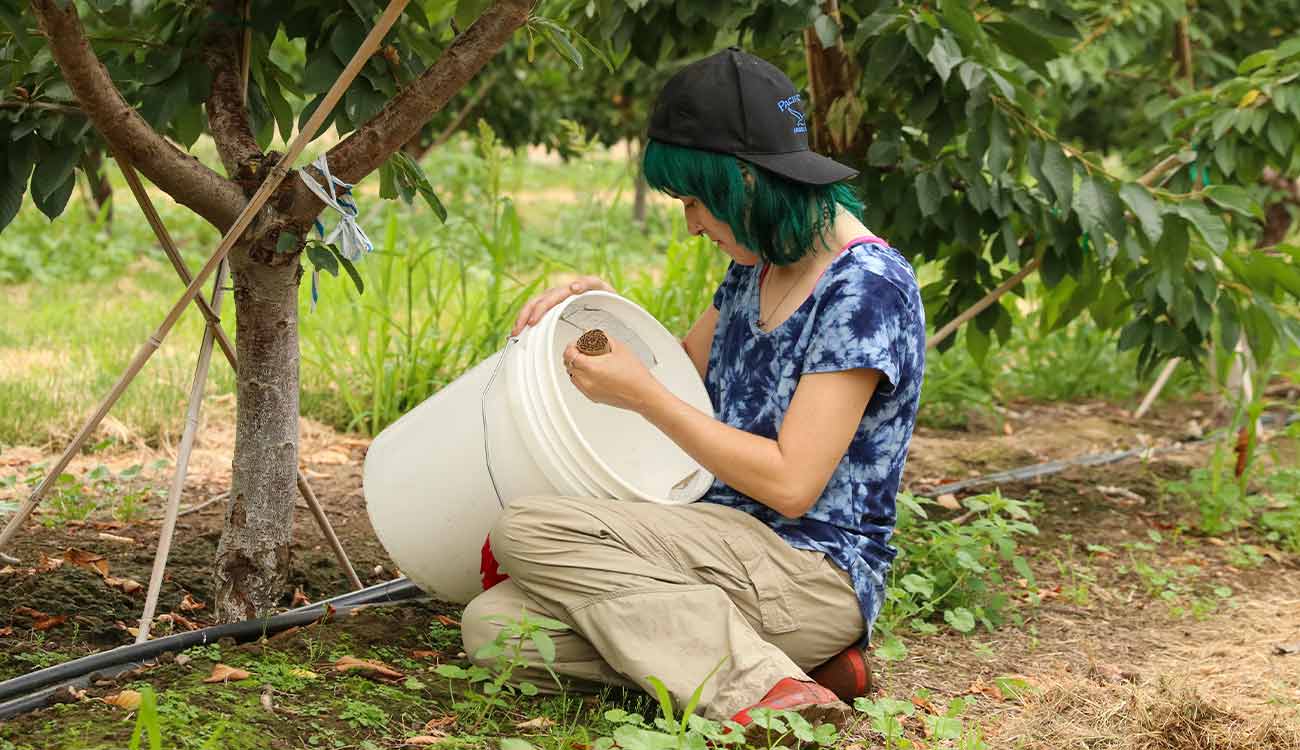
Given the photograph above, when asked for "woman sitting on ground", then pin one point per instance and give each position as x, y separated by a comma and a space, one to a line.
812, 353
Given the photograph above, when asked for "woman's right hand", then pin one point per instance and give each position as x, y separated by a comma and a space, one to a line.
537, 306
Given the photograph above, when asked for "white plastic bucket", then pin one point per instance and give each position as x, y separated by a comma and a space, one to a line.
514, 426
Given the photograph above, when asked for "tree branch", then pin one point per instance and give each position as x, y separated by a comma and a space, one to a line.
370, 145
192, 184
227, 115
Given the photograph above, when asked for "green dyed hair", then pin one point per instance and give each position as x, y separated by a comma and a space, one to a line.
777, 218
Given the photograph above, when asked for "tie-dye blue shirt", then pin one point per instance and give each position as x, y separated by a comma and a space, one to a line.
865, 312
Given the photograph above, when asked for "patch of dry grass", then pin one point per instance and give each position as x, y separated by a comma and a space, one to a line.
1163, 715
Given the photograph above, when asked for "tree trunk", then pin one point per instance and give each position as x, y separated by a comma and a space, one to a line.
831, 75
253, 554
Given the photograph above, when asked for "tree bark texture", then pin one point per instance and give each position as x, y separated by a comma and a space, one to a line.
227, 113
178, 174
253, 554
831, 75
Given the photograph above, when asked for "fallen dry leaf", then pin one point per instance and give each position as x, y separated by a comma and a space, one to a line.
949, 501
227, 673
127, 699
190, 604
305, 674
6, 631
980, 687
537, 724
447, 621
35, 614
115, 538
49, 622
88, 560
424, 739
48, 563
924, 704
126, 585
421, 654
368, 667
438, 722
299, 599
266, 699
180, 620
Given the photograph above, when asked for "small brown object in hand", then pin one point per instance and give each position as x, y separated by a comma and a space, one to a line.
594, 343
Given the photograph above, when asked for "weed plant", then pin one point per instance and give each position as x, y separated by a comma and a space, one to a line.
957, 570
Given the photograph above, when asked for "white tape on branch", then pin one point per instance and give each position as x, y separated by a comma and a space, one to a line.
337, 194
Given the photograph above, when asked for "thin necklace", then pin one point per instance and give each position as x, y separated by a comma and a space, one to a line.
763, 323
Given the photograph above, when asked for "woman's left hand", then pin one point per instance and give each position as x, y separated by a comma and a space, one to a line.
618, 378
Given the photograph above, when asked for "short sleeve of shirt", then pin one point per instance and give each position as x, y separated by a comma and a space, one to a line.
860, 324
727, 289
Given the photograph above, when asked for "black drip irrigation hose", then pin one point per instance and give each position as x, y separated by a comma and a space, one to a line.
40, 688
1092, 459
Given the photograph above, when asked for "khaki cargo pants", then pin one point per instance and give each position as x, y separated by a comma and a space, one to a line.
665, 591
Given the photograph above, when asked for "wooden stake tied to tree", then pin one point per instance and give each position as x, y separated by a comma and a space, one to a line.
253, 553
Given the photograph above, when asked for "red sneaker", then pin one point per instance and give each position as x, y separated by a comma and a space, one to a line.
810, 700
846, 674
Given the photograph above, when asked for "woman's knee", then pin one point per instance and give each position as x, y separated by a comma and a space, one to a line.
531, 525
477, 628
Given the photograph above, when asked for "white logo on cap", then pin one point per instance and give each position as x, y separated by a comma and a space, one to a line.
788, 106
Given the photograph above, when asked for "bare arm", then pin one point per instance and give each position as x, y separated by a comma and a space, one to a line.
699, 340
787, 474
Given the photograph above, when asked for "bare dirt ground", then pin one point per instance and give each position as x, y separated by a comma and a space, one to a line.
1142, 635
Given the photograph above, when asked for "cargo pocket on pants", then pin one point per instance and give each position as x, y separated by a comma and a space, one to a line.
767, 581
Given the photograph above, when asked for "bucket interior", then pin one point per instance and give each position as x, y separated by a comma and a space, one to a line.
635, 452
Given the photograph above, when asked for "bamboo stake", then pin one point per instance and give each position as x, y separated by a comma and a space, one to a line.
983, 304
182, 461
1153, 174
368, 47
172, 253
222, 339
1156, 388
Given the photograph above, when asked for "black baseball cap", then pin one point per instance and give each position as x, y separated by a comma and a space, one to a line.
735, 103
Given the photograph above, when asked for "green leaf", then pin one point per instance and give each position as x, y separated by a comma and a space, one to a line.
665, 699
960, 19
689, 710
960, 619
828, 32
1257, 60
53, 171
1023, 43
891, 649
322, 70
559, 39
514, 743
944, 55
1099, 211
1211, 227
918, 585
1144, 207
545, 646
321, 257
351, 269
886, 54
347, 38
53, 203
1236, 199
1281, 133
12, 188
927, 193
1060, 174
287, 242
999, 143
